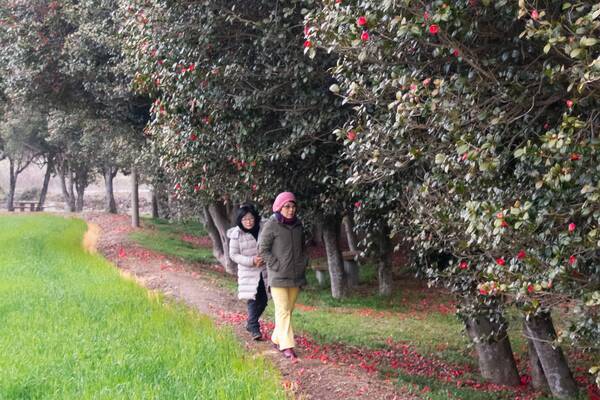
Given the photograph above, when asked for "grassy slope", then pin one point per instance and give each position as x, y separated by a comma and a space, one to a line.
71, 327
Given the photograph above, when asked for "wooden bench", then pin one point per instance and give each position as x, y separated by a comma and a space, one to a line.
31, 205
350, 267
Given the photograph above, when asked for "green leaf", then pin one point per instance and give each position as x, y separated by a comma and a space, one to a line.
547, 48
588, 42
576, 52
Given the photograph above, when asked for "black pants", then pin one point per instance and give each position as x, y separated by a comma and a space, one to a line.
256, 307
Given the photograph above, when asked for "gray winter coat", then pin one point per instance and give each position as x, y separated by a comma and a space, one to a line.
282, 248
242, 249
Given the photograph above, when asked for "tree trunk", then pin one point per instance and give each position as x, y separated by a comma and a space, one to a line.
71, 190
213, 232
348, 222
337, 275
110, 206
538, 378
80, 186
540, 330
10, 198
384, 262
135, 203
44, 192
219, 214
496, 361
155, 213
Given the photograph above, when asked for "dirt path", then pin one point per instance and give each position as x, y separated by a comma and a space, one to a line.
194, 285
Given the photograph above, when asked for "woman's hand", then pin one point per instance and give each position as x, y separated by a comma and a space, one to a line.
258, 261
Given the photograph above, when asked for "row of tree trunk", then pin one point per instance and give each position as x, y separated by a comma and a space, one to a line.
548, 365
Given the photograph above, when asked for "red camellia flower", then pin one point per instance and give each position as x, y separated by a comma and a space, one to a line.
434, 29
362, 20
572, 227
351, 136
500, 215
521, 255
504, 224
426, 82
569, 103
364, 36
455, 52
358, 204
572, 260
307, 43
575, 157
530, 288
483, 292
338, 1
500, 261
534, 14
193, 137
191, 67
177, 186
196, 187
463, 265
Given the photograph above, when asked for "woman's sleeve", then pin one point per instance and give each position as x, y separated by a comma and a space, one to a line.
265, 244
235, 254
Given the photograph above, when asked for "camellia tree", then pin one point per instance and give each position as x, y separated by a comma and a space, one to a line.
239, 112
480, 117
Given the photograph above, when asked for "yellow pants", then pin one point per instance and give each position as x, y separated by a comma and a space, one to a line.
284, 300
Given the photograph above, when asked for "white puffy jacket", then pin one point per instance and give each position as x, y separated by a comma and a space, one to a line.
242, 250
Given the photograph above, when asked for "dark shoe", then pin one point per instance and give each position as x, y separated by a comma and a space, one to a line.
256, 335
290, 354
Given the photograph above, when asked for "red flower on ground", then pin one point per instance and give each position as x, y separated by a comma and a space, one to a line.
534, 14
463, 265
572, 260
530, 288
455, 52
483, 292
434, 29
358, 204
521, 255
569, 103
572, 227
362, 20
177, 186
575, 157
364, 36
425, 15
500, 261
504, 224
307, 43
351, 136
193, 137
338, 1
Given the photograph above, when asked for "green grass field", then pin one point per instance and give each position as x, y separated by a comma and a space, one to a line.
165, 238
72, 328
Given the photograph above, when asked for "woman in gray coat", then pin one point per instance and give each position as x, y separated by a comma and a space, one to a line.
252, 272
281, 244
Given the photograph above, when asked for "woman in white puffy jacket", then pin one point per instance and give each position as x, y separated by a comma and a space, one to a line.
252, 271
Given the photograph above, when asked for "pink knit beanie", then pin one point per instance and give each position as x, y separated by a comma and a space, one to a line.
281, 199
